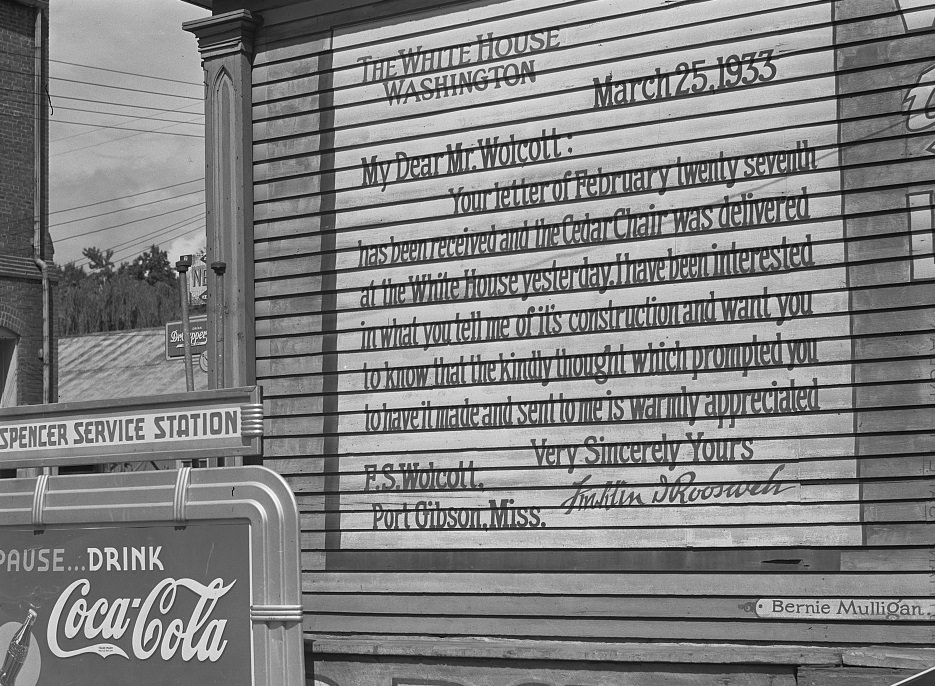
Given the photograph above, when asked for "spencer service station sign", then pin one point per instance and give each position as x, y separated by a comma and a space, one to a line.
216, 423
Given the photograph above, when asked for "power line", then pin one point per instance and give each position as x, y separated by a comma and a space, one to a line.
124, 197
104, 85
26, 107
130, 250
123, 88
124, 128
113, 140
136, 250
127, 223
174, 225
109, 200
146, 237
91, 66
124, 209
128, 73
124, 114
165, 229
122, 104
29, 102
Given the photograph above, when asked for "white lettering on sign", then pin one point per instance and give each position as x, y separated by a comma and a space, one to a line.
197, 337
125, 559
32, 560
198, 636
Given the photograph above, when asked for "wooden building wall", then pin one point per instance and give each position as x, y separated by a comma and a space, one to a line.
601, 331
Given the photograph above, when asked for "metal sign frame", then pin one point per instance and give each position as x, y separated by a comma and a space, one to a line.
255, 495
197, 348
128, 421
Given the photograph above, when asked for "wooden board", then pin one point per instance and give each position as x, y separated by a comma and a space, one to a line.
566, 168
502, 295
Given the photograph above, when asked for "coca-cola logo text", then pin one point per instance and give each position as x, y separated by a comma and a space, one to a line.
76, 619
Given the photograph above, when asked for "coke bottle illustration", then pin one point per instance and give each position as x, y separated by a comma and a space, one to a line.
16, 652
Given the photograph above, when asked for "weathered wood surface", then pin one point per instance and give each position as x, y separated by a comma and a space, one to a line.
837, 676
381, 671
357, 189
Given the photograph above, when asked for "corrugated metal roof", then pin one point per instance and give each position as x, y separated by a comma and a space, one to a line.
119, 364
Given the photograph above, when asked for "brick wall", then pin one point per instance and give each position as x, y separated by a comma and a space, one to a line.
20, 285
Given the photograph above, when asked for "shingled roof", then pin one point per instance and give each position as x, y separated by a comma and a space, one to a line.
119, 364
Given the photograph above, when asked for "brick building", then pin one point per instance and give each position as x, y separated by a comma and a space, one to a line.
27, 348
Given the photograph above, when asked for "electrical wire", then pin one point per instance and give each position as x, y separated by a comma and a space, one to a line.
124, 128
27, 108
124, 197
131, 254
24, 218
125, 209
120, 104
170, 236
95, 84
127, 223
113, 140
124, 88
145, 238
136, 247
129, 73
123, 114
90, 66
28, 102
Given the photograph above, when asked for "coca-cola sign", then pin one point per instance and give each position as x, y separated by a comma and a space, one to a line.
147, 605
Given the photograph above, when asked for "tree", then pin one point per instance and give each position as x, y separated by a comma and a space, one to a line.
138, 294
152, 266
100, 263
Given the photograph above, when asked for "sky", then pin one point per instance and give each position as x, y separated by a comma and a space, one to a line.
118, 68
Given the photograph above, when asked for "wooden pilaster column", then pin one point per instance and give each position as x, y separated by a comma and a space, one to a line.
226, 45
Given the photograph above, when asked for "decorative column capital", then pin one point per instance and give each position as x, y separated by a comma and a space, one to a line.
225, 34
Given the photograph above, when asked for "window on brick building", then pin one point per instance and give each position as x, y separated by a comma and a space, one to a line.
7, 368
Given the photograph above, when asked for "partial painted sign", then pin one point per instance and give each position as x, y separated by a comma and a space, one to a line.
198, 281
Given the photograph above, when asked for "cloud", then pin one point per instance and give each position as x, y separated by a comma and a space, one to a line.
90, 165
190, 245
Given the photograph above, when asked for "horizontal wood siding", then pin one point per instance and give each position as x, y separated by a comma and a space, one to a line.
602, 320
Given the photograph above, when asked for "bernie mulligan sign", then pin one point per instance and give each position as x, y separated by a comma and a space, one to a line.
216, 423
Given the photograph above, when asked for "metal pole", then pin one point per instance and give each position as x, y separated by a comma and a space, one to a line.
182, 266
219, 268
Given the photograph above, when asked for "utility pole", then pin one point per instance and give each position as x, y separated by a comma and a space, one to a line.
182, 266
